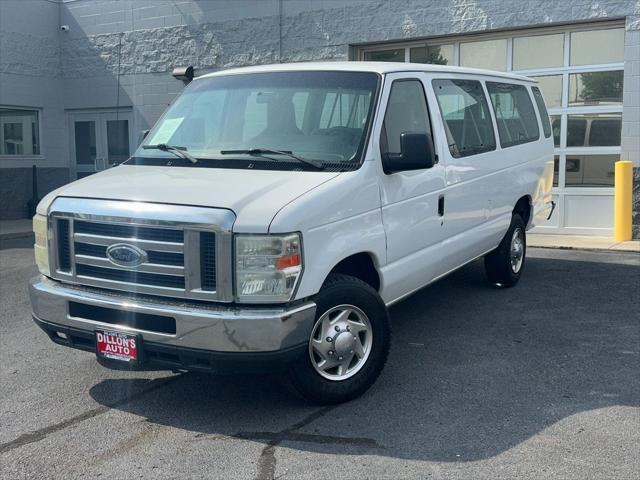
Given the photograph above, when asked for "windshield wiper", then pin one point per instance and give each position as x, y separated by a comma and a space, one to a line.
178, 151
262, 151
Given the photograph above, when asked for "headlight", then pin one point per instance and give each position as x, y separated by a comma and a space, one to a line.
41, 247
267, 267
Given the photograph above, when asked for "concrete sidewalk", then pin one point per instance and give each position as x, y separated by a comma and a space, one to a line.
580, 242
15, 228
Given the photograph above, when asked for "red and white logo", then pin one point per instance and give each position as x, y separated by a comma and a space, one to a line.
117, 346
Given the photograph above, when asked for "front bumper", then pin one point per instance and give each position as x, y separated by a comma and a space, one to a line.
174, 330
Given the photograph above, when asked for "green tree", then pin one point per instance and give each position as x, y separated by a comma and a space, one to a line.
602, 86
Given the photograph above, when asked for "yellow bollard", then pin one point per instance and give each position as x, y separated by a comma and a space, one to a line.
623, 192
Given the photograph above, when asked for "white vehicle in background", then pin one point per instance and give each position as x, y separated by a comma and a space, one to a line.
274, 213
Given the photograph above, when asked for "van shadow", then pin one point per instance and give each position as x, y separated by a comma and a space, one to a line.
473, 371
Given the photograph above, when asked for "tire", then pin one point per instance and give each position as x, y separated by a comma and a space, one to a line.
498, 264
352, 305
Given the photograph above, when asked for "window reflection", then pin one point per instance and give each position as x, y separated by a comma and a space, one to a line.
19, 132
490, 54
394, 55
594, 130
541, 51
434, 54
590, 170
597, 46
596, 88
556, 127
551, 87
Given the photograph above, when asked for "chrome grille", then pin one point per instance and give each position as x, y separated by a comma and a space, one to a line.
64, 246
208, 260
179, 256
129, 231
91, 240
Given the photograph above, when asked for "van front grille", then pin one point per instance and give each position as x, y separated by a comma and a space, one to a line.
164, 260
129, 231
64, 252
167, 258
208, 260
112, 274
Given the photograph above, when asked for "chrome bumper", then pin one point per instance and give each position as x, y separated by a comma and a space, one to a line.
201, 326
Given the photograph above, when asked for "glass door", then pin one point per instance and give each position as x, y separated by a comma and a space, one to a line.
99, 140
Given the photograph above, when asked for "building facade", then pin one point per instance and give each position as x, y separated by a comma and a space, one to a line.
80, 79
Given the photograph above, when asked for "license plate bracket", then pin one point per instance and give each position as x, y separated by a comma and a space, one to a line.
119, 346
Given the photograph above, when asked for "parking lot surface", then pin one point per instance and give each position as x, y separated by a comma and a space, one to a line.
539, 381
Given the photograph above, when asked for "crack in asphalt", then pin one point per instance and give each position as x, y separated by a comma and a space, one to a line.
267, 460
42, 433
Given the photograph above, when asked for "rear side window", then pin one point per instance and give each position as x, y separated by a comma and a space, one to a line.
542, 109
516, 118
466, 116
406, 112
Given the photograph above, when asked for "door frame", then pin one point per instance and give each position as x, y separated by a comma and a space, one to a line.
100, 116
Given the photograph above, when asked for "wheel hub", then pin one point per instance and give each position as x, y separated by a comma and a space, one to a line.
343, 343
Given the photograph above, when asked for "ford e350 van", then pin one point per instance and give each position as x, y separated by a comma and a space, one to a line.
273, 213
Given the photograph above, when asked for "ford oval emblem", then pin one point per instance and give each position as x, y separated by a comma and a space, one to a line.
125, 255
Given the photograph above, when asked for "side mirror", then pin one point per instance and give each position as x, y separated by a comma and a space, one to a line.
416, 153
145, 133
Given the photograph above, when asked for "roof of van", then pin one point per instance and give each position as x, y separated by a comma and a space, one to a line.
376, 67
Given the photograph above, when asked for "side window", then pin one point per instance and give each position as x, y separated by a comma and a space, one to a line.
515, 116
466, 116
406, 112
542, 109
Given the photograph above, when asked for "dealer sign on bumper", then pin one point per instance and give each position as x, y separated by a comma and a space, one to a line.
117, 346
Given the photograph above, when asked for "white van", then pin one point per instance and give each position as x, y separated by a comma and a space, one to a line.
273, 213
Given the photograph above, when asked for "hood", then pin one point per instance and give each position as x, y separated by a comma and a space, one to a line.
254, 195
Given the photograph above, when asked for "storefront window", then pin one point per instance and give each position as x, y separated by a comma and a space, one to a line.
395, 55
551, 87
489, 54
556, 126
434, 54
594, 130
596, 88
580, 74
541, 51
19, 132
590, 170
597, 47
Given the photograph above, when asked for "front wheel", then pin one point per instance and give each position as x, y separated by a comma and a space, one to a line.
504, 264
348, 345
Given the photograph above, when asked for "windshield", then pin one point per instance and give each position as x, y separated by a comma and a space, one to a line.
256, 119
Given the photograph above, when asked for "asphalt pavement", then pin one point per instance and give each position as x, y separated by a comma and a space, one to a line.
540, 381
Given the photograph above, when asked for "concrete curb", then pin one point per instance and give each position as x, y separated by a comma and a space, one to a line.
589, 249
581, 242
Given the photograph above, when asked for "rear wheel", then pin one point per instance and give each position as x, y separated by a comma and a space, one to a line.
348, 345
504, 264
